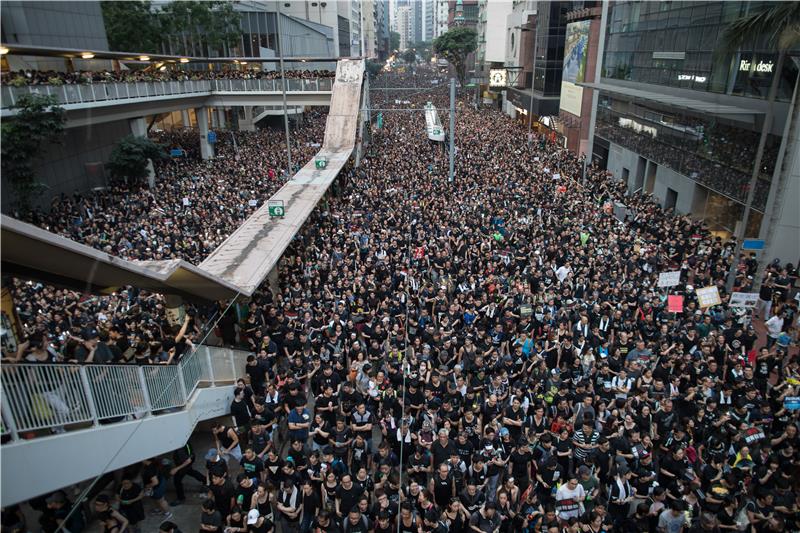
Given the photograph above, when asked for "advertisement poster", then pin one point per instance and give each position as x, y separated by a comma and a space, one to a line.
576, 45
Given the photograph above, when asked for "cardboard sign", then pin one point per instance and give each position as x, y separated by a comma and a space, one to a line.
252, 203
669, 279
708, 297
186, 202
744, 300
675, 303
556, 176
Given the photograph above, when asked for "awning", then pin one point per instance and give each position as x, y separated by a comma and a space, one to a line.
680, 102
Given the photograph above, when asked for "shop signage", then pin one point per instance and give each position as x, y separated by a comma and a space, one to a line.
761, 66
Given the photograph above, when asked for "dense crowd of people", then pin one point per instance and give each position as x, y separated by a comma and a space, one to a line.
494, 354
193, 207
26, 77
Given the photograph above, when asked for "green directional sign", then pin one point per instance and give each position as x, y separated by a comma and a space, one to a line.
320, 163
276, 208
380, 120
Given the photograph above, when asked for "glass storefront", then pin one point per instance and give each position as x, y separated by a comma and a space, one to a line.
673, 44
717, 153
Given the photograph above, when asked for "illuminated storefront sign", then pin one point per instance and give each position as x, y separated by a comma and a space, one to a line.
761, 66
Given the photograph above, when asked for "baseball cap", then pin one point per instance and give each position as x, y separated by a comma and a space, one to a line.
252, 517
503, 432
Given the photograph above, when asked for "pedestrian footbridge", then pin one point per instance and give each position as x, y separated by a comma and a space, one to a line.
106, 416
95, 103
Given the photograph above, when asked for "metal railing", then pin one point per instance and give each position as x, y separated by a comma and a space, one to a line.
100, 92
37, 397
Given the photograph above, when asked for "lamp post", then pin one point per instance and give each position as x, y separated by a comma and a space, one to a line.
283, 93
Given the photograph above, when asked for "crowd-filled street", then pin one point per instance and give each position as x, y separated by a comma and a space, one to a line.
488, 354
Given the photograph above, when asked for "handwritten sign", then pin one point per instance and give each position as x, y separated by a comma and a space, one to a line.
669, 279
708, 296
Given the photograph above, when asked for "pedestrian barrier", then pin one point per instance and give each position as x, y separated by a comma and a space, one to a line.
38, 397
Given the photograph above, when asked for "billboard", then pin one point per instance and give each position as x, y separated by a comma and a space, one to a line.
576, 47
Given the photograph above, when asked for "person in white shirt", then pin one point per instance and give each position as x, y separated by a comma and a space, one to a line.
774, 327
569, 499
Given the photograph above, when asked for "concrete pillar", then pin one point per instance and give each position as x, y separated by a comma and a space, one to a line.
272, 277
221, 118
214, 123
138, 126
187, 122
139, 129
206, 148
246, 123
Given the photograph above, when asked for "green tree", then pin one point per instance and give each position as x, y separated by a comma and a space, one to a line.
199, 28
131, 26
410, 56
394, 40
374, 68
130, 156
454, 46
38, 121
779, 25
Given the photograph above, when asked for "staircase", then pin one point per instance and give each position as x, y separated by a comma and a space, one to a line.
106, 416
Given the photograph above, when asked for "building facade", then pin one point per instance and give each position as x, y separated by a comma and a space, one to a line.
441, 10
491, 29
677, 121
541, 53
404, 25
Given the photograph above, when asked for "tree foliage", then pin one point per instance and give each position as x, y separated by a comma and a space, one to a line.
778, 22
131, 26
394, 40
199, 28
374, 68
454, 46
38, 121
188, 27
129, 158
410, 56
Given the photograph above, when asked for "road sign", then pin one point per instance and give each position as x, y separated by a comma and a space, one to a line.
276, 208
669, 279
753, 244
708, 296
212, 137
745, 300
320, 163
